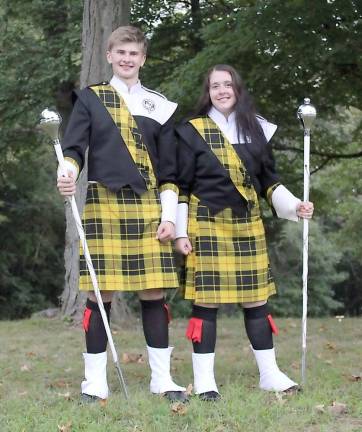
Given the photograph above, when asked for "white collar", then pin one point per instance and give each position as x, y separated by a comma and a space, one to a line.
220, 119
123, 88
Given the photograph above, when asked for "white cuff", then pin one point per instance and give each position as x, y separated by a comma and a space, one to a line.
169, 200
182, 220
285, 203
69, 167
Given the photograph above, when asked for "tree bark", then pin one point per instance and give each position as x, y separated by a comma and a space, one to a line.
100, 18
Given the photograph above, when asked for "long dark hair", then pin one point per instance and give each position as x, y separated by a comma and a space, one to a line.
247, 125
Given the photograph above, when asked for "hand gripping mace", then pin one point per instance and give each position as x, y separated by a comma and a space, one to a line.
306, 114
50, 122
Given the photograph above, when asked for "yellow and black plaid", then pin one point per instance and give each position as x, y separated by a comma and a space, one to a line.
129, 131
229, 262
120, 229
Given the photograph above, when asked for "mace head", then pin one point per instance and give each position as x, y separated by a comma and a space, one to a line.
50, 122
306, 114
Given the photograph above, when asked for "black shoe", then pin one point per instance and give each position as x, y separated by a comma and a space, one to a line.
210, 396
292, 390
88, 399
176, 396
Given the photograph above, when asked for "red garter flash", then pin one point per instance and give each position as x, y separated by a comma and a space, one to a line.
168, 311
194, 330
86, 317
273, 326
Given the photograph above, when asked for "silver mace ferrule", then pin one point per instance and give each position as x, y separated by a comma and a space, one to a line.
50, 122
306, 114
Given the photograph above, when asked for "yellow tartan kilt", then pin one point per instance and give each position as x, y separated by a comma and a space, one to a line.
120, 230
229, 262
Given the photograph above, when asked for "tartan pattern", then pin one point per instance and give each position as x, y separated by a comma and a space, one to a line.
168, 186
129, 131
229, 262
120, 230
227, 156
269, 193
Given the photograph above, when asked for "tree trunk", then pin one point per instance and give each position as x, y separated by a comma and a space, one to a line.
100, 18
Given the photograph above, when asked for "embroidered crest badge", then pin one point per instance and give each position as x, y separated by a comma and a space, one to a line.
149, 105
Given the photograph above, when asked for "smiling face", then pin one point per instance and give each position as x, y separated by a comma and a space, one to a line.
221, 91
126, 60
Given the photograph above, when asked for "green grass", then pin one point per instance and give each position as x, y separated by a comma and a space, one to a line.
41, 368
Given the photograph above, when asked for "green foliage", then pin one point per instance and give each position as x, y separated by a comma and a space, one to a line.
40, 41
287, 265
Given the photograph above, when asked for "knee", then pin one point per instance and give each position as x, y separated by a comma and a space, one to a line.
208, 305
107, 296
248, 305
151, 294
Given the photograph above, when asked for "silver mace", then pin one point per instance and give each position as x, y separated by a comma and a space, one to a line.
306, 114
50, 122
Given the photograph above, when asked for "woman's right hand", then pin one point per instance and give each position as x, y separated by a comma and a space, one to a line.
183, 245
66, 185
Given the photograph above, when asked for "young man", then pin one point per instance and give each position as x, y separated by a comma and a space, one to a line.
131, 203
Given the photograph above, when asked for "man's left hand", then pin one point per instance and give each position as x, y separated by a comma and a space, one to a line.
165, 232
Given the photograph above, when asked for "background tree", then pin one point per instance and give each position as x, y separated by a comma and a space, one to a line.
99, 20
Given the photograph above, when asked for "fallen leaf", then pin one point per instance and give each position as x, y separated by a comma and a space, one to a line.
59, 384
280, 398
65, 395
30, 354
65, 428
355, 378
331, 346
320, 408
338, 408
179, 408
23, 393
322, 328
295, 365
132, 358
189, 389
329, 362
25, 368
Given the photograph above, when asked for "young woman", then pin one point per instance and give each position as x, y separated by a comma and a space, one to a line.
225, 164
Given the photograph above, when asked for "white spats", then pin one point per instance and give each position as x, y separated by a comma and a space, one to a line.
161, 381
271, 378
204, 379
95, 372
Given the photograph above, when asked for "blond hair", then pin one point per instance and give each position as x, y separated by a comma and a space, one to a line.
126, 34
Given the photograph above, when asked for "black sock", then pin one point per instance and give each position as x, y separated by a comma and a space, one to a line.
95, 333
155, 323
208, 338
258, 328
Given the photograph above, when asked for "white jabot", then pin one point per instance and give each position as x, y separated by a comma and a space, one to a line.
123, 88
228, 126
144, 102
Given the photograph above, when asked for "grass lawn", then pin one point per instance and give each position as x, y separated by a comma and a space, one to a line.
41, 368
